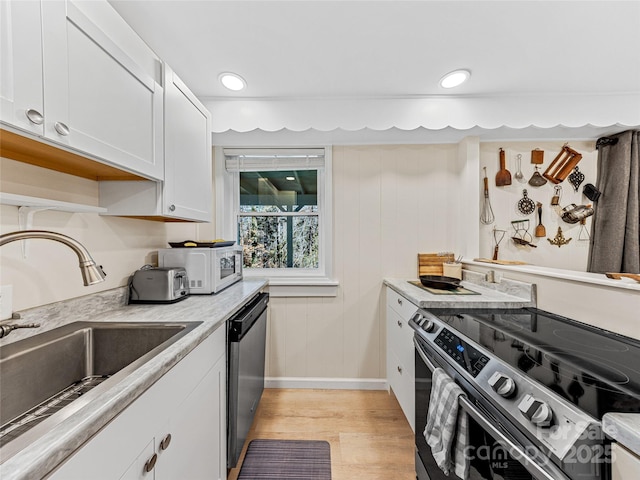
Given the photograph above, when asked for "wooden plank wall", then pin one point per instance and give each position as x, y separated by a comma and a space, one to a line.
390, 202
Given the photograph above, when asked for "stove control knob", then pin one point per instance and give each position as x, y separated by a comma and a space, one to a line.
428, 325
537, 411
502, 385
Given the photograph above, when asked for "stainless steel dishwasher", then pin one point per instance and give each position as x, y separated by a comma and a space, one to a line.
245, 371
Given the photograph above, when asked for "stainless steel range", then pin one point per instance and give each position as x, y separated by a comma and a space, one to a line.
536, 387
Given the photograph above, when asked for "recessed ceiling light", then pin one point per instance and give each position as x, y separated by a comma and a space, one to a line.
455, 78
232, 81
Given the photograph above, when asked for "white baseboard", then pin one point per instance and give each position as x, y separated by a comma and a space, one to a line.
327, 383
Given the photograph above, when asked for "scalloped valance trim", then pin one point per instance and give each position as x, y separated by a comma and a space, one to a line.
433, 113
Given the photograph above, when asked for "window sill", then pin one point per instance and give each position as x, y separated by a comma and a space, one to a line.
576, 276
303, 287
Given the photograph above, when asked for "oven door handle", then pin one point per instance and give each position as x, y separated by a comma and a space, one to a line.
541, 470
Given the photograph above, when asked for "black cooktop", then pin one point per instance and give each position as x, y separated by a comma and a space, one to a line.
595, 369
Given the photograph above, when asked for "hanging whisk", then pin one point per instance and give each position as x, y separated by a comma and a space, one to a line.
486, 217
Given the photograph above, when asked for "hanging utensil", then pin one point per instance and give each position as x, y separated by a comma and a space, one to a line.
519, 175
522, 235
486, 217
576, 178
526, 206
559, 240
557, 193
536, 179
498, 235
562, 165
574, 213
537, 156
540, 230
503, 177
583, 235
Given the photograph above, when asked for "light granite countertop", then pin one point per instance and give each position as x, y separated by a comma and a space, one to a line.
45, 453
624, 428
504, 294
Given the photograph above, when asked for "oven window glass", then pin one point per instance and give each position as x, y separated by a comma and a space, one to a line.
227, 266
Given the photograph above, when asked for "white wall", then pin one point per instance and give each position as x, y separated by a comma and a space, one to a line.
390, 203
51, 273
572, 256
610, 308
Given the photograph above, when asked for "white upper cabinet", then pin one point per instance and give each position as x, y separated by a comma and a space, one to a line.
21, 96
98, 99
187, 192
188, 186
77, 75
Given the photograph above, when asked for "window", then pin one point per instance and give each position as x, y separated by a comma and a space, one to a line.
280, 208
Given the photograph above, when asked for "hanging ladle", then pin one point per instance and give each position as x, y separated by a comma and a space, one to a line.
519, 175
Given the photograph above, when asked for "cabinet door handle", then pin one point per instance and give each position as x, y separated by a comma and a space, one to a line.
172, 208
34, 116
399, 302
164, 444
399, 323
151, 463
61, 128
399, 369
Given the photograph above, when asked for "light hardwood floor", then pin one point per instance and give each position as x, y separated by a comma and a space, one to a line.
369, 436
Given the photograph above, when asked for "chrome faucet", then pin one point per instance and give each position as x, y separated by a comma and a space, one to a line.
91, 273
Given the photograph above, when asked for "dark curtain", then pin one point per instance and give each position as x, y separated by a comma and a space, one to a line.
615, 231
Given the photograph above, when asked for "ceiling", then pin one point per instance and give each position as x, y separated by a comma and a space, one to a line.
394, 49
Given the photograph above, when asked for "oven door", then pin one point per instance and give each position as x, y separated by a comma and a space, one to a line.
493, 454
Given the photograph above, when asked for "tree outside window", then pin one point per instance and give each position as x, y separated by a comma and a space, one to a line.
278, 220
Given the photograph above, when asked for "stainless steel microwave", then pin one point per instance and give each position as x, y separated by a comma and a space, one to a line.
209, 269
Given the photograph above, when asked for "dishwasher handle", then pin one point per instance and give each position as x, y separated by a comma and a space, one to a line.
244, 319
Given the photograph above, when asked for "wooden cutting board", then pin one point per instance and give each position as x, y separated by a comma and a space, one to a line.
431, 263
618, 276
500, 262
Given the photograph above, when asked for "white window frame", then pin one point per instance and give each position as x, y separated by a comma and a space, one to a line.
227, 185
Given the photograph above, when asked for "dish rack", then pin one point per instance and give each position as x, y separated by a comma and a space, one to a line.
19, 425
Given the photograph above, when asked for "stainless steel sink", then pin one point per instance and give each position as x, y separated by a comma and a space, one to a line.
45, 378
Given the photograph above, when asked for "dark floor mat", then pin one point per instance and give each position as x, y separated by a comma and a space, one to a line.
286, 460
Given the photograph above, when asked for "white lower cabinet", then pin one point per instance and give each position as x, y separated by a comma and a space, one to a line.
176, 429
400, 356
626, 465
197, 448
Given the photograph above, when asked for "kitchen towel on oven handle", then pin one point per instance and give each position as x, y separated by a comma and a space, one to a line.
447, 423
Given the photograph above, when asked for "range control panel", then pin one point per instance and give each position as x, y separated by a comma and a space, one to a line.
464, 354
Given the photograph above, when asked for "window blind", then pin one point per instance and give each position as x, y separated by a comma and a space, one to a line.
268, 159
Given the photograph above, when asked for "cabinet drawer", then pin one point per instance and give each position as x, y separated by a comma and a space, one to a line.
625, 464
401, 380
400, 304
399, 336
